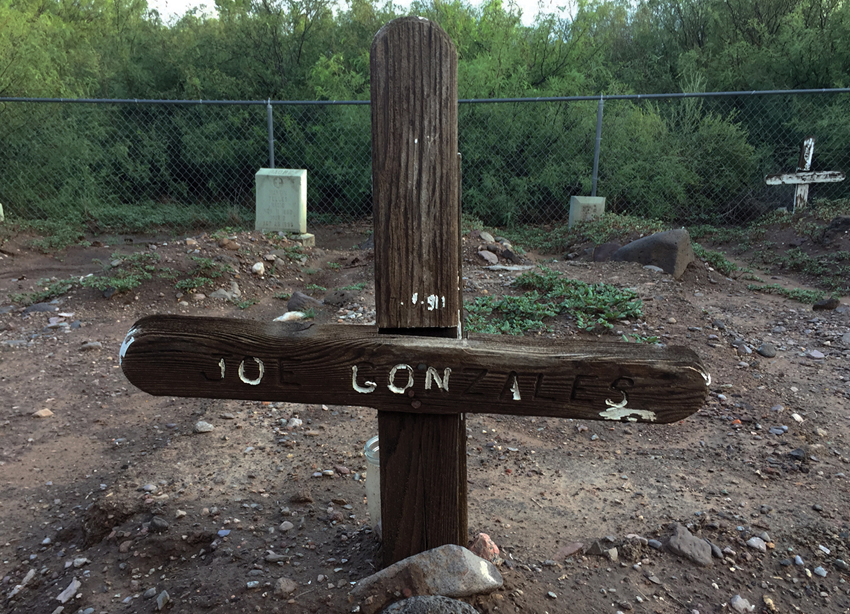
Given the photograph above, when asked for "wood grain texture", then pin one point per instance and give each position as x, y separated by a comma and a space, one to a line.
415, 176
416, 189
306, 363
425, 505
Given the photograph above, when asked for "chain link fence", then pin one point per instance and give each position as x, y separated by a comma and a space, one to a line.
131, 166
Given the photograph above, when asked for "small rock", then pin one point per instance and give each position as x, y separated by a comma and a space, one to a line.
150, 593
826, 304
768, 350
448, 570
80, 562
69, 592
819, 571
274, 557
159, 524
179, 513
489, 256
290, 316
286, 526
284, 587
486, 237
551, 595
162, 600
258, 269
655, 544
484, 547
302, 496
757, 543
42, 413
221, 294
198, 297
597, 549
686, 545
202, 427
798, 560
91, 345
815, 354
841, 564
739, 604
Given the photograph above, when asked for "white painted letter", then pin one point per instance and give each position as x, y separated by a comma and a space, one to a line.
515, 390
409, 384
369, 387
432, 375
252, 382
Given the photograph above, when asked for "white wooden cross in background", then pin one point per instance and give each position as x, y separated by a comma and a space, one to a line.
804, 175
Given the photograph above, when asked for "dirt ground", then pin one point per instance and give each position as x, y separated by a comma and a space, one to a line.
116, 490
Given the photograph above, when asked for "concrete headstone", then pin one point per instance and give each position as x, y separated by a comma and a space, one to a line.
585, 208
281, 200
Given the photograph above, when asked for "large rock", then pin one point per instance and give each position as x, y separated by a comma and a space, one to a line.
430, 605
603, 252
450, 571
301, 302
687, 545
669, 250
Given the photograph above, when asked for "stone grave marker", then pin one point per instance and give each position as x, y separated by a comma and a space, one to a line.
585, 208
416, 366
281, 200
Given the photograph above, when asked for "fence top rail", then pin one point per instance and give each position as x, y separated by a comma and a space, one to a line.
839, 90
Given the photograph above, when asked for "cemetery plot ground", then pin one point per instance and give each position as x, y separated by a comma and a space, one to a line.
117, 490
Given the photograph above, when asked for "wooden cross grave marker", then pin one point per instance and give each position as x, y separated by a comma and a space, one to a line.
415, 366
804, 175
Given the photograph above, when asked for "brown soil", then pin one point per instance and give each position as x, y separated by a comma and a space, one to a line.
86, 482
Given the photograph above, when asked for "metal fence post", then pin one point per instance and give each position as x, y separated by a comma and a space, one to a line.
598, 143
271, 132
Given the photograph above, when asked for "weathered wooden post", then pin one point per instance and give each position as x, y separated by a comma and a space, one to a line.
804, 175
416, 366
416, 208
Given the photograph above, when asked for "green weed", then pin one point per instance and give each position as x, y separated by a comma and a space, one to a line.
807, 297
244, 304
130, 273
715, 260
336, 266
50, 289
57, 235
284, 296
549, 294
358, 287
640, 338
315, 288
193, 283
